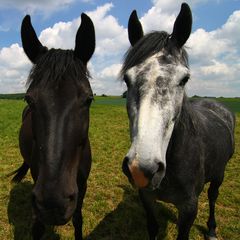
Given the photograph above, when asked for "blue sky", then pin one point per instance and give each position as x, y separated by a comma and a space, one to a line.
213, 46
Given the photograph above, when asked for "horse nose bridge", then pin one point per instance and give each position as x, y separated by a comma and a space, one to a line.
151, 152
59, 133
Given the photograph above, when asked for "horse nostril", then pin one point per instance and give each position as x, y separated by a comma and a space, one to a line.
72, 197
125, 167
161, 167
125, 163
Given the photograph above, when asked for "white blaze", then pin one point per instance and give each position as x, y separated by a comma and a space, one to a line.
153, 120
153, 131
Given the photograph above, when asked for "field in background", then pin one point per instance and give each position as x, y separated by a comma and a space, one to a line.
112, 210
232, 103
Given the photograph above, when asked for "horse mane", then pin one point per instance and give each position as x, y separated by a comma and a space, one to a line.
188, 119
147, 46
54, 66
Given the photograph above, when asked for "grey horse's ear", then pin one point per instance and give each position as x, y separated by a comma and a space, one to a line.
85, 39
135, 31
183, 26
31, 45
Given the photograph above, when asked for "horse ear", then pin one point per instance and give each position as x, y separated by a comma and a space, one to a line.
182, 26
135, 31
31, 45
85, 39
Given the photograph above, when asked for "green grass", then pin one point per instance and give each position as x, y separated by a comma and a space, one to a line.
111, 209
232, 103
110, 101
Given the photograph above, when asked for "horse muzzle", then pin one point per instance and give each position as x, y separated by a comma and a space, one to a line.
51, 217
143, 177
54, 212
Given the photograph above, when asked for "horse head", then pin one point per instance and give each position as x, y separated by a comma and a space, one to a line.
59, 96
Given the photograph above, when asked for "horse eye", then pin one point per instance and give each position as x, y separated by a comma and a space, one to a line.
89, 100
184, 81
29, 101
127, 80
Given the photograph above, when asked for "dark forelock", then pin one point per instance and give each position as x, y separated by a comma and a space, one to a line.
55, 66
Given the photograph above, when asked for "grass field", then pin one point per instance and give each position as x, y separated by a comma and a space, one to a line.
112, 210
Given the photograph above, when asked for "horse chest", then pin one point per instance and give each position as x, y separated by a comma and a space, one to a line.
179, 184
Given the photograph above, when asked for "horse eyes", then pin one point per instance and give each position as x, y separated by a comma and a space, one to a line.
29, 101
127, 80
89, 100
184, 81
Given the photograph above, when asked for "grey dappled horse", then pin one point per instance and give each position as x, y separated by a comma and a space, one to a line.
177, 144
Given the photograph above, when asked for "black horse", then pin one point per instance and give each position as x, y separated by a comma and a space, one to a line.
178, 144
53, 137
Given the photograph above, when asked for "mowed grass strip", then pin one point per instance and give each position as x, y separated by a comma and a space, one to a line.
112, 209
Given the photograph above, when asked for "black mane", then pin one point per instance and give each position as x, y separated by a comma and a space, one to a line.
188, 119
55, 66
147, 46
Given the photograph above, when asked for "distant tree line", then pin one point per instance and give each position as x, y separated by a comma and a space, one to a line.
12, 96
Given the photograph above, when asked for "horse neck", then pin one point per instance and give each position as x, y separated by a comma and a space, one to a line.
186, 124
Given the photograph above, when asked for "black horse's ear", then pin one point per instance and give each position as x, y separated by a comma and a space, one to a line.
135, 31
182, 26
85, 39
31, 45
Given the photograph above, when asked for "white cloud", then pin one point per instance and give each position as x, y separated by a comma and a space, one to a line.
164, 20
206, 46
167, 5
30, 6
106, 81
111, 72
214, 60
173, 5
220, 43
112, 42
229, 29
61, 35
214, 56
163, 14
216, 69
212, 88
13, 57
14, 67
4, 29
111, 37
88, 1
